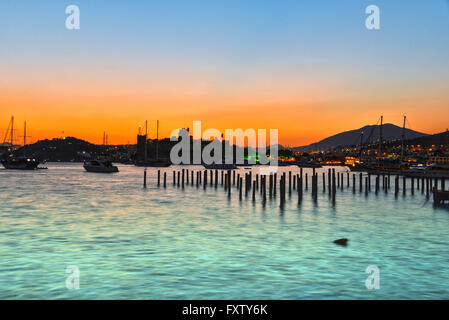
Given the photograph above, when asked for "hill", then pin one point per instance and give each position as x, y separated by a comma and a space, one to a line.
68, 149
434, 139
352, 137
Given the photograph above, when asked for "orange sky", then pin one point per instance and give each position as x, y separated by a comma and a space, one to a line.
85, 110
307, 69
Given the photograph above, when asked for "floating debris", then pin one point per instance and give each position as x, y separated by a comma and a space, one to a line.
341, 242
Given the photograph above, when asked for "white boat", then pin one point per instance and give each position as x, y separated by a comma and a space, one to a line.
101, 166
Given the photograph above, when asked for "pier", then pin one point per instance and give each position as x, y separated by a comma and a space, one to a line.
287, 185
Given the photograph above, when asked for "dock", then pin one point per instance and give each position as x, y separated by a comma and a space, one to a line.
297, 184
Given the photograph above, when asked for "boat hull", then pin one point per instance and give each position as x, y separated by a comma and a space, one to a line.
220, 166
29, 165
431, 174
154, 164
99, 169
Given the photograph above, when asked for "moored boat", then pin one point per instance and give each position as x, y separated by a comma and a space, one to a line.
156, 163
20, 163
308, 164
100, 166
431, 171
223, 166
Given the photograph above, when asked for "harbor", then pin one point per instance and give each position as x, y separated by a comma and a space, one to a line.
199, 243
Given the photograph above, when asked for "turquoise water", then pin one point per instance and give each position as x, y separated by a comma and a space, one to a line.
156, 243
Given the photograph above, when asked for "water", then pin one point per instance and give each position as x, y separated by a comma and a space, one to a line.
135, 243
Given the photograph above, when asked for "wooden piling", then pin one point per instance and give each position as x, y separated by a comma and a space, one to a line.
216, 179
307, 181
275, 177
254, 190
229, 183
324, 182
240, 189
396, 186
422, 185
158, 178
334, 186
264, 187
404, 185
145, 178
289, 183
165, 179
182, 182
270, 187
300, 190
338, 179
366, 185
282, 190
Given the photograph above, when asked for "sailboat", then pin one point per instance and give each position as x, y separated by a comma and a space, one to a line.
382, 164
19, 163
157, 163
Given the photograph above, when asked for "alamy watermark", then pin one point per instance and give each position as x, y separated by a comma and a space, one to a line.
373, 280
220, 147
72, 21
372, 22
72, 282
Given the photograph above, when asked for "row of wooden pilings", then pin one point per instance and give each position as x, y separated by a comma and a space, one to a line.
299, 183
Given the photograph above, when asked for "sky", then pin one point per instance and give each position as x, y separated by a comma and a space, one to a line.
307, 68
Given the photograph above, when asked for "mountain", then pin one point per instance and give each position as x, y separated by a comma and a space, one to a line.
370, 135
434, 139
68, 149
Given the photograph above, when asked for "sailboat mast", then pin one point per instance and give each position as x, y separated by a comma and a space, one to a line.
146, 142
12, 131
380, 135
361, 145
157, 140
403, 138
24, 136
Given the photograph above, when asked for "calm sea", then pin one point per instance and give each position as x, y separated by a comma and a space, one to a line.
174, 243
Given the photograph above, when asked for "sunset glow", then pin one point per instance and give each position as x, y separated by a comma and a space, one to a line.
222, 65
